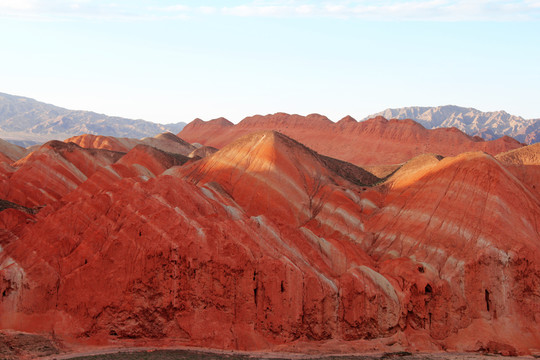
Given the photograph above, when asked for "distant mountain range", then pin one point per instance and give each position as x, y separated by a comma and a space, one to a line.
488, 125
26, 122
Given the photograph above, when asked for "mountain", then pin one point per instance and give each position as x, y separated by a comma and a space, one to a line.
166, 142
11, 152
26, 121
50, 172
268, 245
423, 217
375, 141
524, 164
488, 125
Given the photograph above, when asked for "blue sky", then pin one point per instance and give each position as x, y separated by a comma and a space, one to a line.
170, 61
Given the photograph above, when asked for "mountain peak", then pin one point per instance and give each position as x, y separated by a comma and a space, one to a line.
490, 125
221, 121
347, 120
280, 120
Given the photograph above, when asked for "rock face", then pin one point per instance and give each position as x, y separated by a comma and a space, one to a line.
489, 125
452, 217
372, 142
52, 171
532, 133
267, 244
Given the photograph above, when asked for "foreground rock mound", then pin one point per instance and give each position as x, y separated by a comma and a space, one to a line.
467, 221
267, 244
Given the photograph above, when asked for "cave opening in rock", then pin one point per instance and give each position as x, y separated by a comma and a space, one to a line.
428, 289
282, 287
486, 296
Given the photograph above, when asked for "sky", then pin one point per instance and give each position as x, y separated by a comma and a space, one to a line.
171, 61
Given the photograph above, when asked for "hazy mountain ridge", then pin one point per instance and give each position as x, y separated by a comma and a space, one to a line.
25, 121
489, 125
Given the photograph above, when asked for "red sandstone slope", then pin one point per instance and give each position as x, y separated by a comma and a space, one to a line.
524, 163
10, 152
373, 142
202, 152
170, 143
166, 142
528, 155
263, 244
209, 129
412, 170
50, 172
471, 224
207, 259
138, 165
90, 141
266, 169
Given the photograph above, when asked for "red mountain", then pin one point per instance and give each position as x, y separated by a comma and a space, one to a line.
10, 152
166, 142
269, 245
372, 142
52, 171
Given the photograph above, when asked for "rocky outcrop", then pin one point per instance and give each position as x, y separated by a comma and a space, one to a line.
267, 244
16, 346
372, 142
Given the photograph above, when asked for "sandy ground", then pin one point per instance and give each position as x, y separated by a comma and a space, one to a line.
19, 345
210, 354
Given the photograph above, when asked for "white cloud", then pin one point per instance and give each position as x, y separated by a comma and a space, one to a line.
175, 8
255, 10
305, 9
207, 10
25, 5
533, 3
391, 10
423, 10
